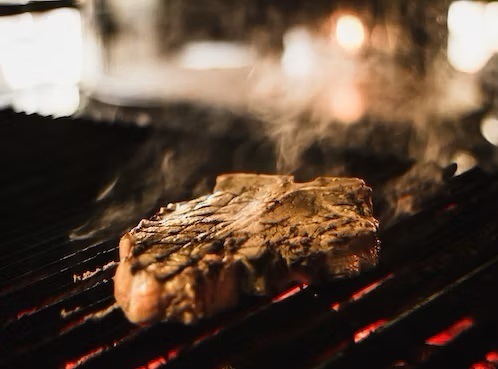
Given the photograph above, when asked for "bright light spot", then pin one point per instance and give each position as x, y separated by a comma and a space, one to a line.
467, 54
473, 34
41, 49
298, 59
491, 25
346, 103
465, 17
464, 161
350, 32
489, 129
215, 55
57, 100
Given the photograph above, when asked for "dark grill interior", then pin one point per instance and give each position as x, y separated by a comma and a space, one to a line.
438, 276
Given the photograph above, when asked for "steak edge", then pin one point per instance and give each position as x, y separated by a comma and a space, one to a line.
254, 235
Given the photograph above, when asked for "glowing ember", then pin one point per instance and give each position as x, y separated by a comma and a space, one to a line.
22, 313
363, 291
335, 306
442, 338
350, 32
492, 357
156, 363
368, 330
206, 335
290, 292
161, 360
370, 287
84, 358
172, 353
450, 207
482, 365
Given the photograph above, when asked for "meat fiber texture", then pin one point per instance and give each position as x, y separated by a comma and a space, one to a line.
254, 235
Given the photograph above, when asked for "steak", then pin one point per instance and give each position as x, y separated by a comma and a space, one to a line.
255, 234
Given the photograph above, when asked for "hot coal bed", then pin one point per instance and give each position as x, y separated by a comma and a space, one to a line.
71, 186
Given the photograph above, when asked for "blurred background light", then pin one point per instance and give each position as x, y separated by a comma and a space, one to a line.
346, 103
350, 33
298, 59
464, 161
42, 53
489, 129
473, 34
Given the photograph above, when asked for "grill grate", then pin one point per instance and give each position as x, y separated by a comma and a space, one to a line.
438, 268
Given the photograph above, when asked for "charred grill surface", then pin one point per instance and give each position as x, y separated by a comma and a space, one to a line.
254, 235
57, 309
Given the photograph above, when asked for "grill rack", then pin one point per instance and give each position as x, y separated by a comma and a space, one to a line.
437, 268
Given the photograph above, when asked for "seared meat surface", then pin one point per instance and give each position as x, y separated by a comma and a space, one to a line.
253, 235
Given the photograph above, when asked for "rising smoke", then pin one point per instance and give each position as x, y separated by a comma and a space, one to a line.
388, 111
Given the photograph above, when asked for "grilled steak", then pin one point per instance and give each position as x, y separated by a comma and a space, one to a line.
254, 235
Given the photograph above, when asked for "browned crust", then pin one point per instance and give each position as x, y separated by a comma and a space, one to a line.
252, 235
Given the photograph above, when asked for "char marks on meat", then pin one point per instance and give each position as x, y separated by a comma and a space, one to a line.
253, 235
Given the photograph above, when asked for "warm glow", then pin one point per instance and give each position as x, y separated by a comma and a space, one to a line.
370, 287
289, 292
346, 103
350, 33
84, 358
156, 363
489, 129
482, 365
492, 357
449, 334
368, 330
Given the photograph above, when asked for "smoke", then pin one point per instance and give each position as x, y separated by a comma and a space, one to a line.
316, 77
344, 92
387, 107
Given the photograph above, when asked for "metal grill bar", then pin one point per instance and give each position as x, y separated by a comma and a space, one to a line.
436, 268
420, 274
